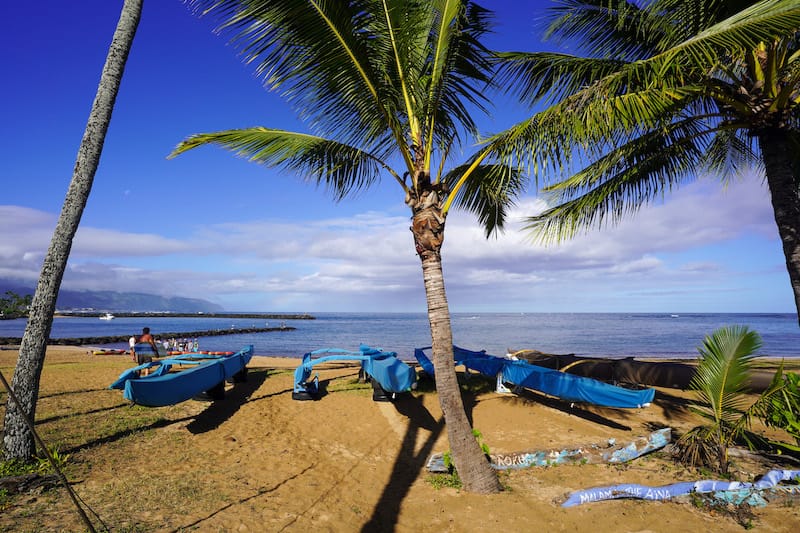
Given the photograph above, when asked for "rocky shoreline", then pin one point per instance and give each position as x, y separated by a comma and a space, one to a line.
91, 341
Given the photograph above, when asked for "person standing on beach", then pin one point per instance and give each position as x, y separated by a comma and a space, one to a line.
144, 356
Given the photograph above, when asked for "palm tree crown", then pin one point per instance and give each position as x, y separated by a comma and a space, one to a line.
668, 89
377, 83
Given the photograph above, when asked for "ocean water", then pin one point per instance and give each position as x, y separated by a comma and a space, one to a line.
586, 334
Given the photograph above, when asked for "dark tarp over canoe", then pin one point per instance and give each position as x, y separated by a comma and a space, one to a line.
667, 374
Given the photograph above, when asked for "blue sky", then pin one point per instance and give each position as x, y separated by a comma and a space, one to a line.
212, 226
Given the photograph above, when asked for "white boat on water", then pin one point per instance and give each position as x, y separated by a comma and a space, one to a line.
107, 316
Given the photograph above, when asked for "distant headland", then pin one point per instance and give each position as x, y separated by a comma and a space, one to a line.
83, 341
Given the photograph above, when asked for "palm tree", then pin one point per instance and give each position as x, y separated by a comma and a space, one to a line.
18, 441
721, 385
388, 87
668, 89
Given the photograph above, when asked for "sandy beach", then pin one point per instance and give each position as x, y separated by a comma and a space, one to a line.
259, 461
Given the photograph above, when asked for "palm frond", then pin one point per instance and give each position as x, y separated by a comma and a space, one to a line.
550, 76
489, 192
620, 181
730, 151
618, 29
460, 72
778, 390
341, 168
720, 383
723, 370
326, 59
762, 22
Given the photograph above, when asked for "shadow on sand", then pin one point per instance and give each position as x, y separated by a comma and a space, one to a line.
221, 410
408, 465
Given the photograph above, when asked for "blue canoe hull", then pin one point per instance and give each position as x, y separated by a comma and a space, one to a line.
163, 387
392, 374
568, 387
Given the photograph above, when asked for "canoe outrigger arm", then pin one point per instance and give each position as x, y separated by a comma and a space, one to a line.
389, 375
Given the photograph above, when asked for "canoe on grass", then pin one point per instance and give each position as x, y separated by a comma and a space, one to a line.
162, 387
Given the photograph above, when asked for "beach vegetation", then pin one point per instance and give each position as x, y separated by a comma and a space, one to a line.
721, 384
39, 464
451, 479
14, 305
782, 409
18, 439
388, 89
662, 93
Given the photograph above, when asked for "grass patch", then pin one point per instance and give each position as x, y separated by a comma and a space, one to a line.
448, 480
345, 385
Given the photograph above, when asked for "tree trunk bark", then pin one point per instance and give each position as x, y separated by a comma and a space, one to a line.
472, 465
18, 441
783, 179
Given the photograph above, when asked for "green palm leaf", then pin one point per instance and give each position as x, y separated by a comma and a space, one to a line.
723, 371
341, 168
488, 193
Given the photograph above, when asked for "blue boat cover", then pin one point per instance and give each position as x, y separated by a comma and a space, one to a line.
392, 374
568, 387
162, 387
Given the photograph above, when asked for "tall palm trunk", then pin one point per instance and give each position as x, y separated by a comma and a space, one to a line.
473, 468
17, 439
783, 178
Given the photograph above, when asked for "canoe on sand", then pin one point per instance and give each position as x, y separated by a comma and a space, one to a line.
163, 386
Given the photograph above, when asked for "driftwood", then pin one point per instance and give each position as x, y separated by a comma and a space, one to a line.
628, 370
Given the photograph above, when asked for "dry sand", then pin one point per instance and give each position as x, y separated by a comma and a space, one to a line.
259, 461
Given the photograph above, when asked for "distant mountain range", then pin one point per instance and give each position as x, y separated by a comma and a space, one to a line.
118, 301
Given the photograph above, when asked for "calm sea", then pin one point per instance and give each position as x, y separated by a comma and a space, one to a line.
588, 334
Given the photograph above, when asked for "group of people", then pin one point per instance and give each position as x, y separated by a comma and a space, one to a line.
182, 345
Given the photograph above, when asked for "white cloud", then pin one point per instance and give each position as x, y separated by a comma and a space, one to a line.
368, 261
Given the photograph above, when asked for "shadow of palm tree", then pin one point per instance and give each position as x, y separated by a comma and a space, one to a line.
81, 413
407, 465
70, 392
122, 434
221, 410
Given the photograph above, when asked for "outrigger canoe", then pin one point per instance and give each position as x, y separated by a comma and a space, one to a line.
567, 387
162, 386
388, 374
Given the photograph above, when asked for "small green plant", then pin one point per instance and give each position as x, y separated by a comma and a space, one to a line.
39, 465
43, 465
720, 383
450, 478
484, 447
15, 467
782, 411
